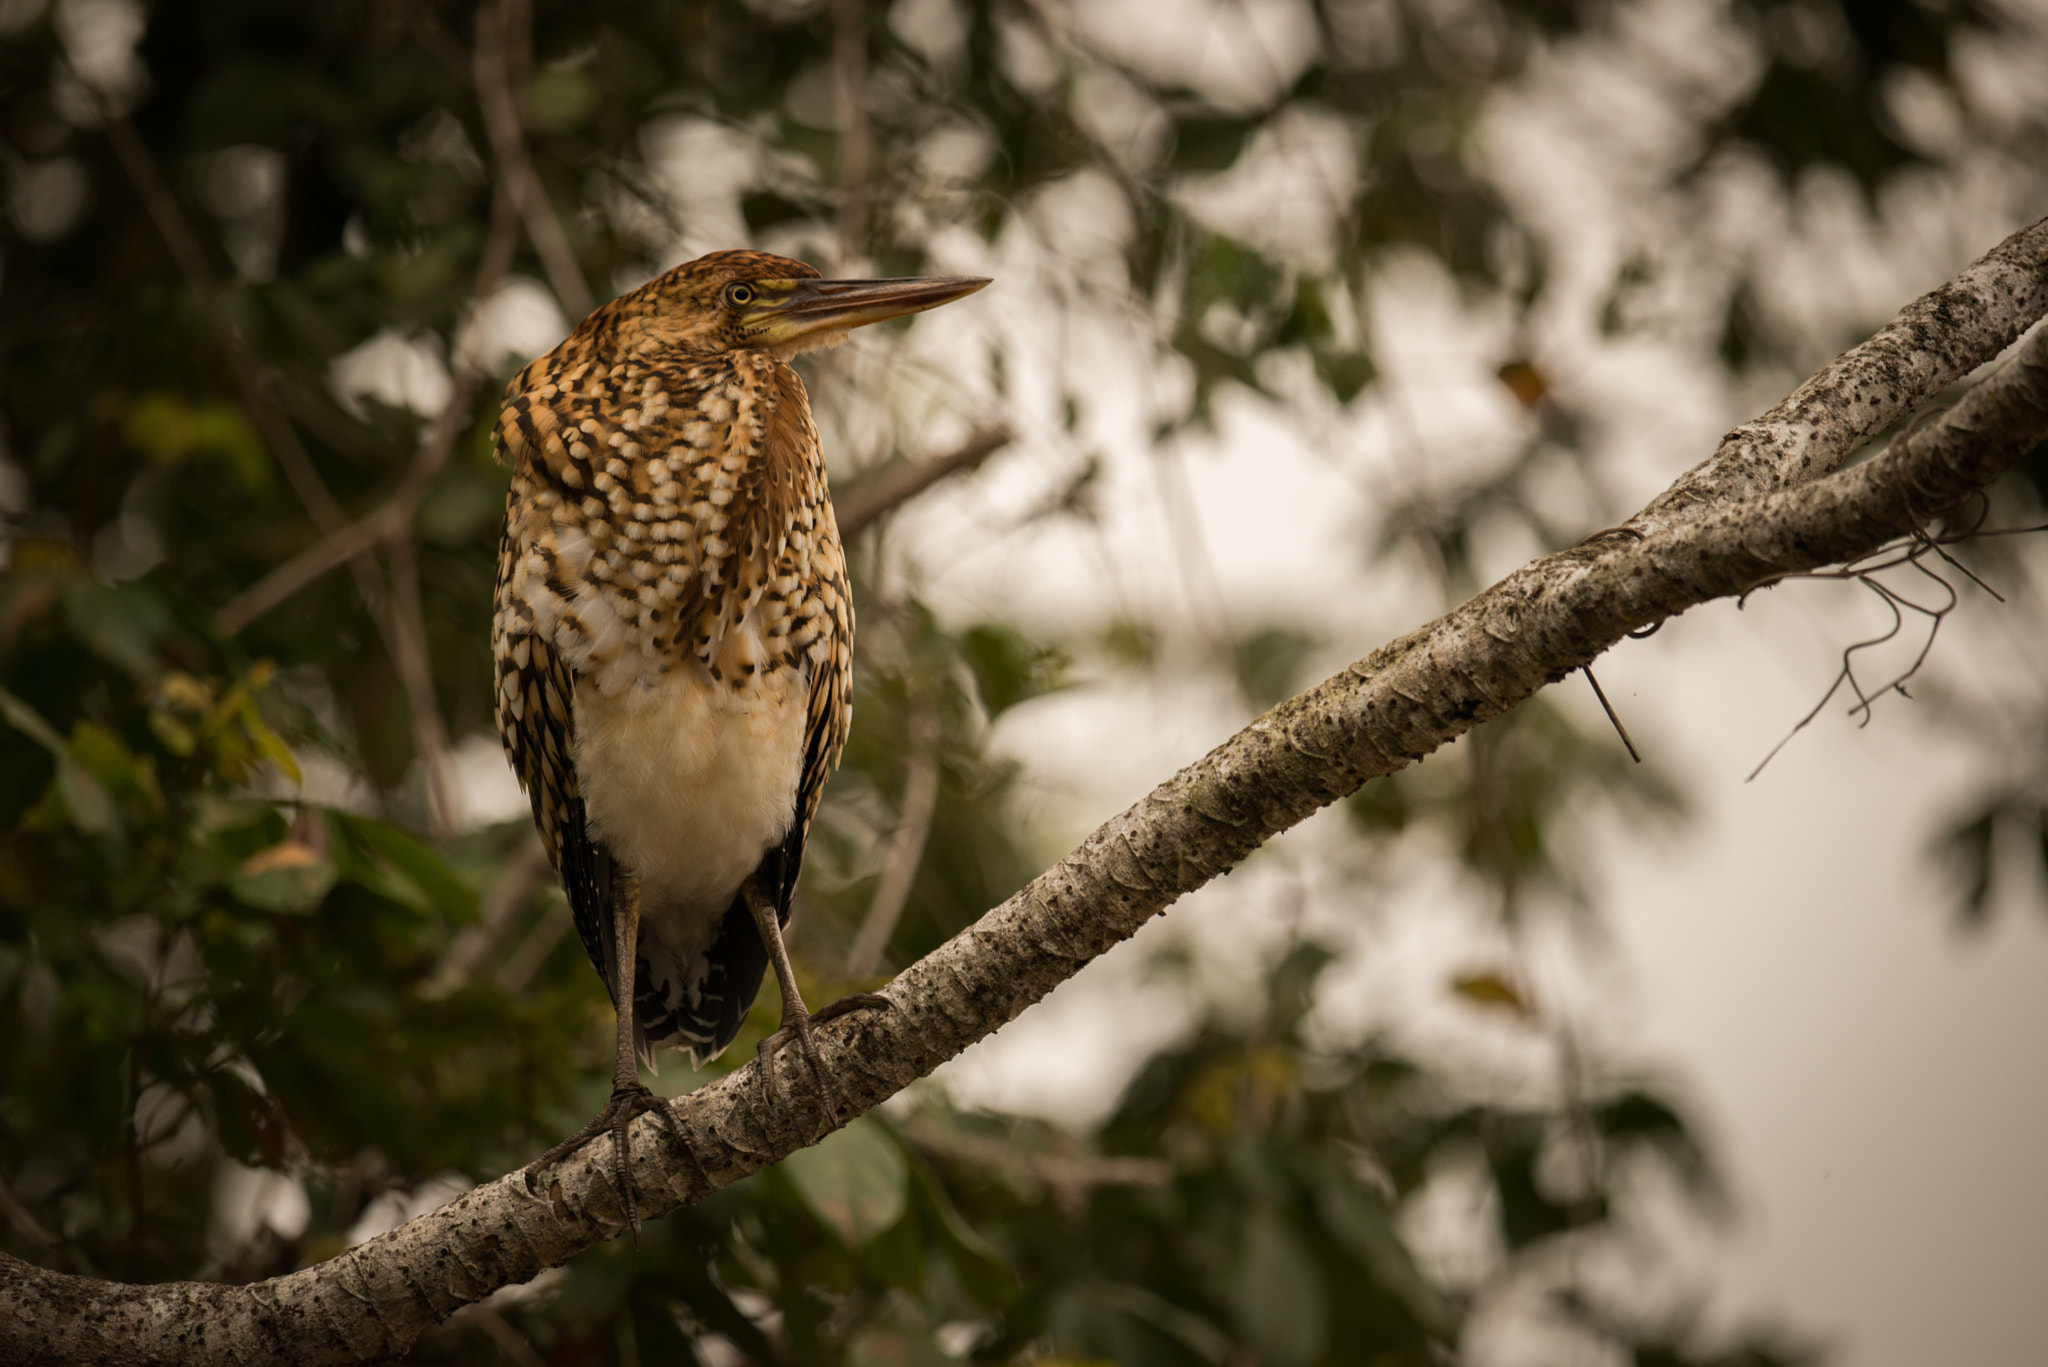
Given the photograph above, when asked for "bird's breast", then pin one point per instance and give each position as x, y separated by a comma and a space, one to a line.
690, 780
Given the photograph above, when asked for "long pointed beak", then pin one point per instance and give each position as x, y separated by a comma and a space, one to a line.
790, 312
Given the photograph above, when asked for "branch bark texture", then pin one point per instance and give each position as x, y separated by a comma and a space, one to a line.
1935, 341
1398, 704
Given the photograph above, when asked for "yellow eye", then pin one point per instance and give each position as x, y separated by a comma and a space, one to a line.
739, 294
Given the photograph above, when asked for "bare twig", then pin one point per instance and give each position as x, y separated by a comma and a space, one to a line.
868, 500
351, 540
394, 516
855, 152
415, 670
1069, 1177
499, 1330
525, 961
20, 1217
523, 869
502, 40
1907, 552
906, 846
1612, 716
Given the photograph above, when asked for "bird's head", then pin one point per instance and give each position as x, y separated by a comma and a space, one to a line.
746, 300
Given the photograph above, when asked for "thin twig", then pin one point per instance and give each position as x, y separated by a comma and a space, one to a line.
1608, 708
395, 515
185, 249
502, 43
518, 969
499, 1330
906, 846
867, 500
1907, 551
415, 669
24, 1222
522, 871
390, 519
854, 152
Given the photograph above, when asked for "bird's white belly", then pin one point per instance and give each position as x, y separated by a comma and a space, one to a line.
689, 782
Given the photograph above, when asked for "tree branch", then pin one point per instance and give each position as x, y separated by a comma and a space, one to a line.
867, 500
905, 850
185, 249
854, 150
1398, 704
502, 35
1934, 341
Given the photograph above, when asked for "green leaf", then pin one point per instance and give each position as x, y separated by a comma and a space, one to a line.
404, 869
856, 1181
289, 877
1125, 1323
1209, 143
86, 798
1366, 1227
1281, 1306
559, 98
168, 430
122, 624
30, 723
983, 1271
1008, 667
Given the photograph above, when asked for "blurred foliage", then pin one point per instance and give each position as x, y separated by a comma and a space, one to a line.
229, 937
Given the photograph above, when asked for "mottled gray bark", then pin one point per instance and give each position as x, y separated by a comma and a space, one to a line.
1934, 341
1398, 704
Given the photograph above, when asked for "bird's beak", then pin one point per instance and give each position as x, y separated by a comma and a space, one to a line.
793, 315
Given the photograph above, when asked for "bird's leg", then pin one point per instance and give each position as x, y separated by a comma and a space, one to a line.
797, 1019
630, 1097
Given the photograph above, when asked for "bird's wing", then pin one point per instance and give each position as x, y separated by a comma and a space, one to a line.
537, 723
542, 646
822, 637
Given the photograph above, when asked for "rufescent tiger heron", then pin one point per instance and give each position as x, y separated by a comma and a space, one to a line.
674, 643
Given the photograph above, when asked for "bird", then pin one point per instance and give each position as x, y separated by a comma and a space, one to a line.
672, 631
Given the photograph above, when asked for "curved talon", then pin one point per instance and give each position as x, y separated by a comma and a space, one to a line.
850, 1003
798, 1022
627, 1104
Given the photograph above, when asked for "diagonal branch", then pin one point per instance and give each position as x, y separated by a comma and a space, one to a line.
1400, 703
873, 497
1935, 341
905, 849
183, 243
502, 35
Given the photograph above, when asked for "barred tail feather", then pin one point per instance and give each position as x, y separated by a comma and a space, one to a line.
698, 1004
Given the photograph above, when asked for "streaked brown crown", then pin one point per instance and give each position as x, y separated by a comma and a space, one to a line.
684, 310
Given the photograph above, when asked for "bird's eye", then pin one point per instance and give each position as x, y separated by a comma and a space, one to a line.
739, 294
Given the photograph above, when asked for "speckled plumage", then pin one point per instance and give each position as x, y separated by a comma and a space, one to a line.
673, 634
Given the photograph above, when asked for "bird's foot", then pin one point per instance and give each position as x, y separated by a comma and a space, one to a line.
629, 1101
797, 1024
